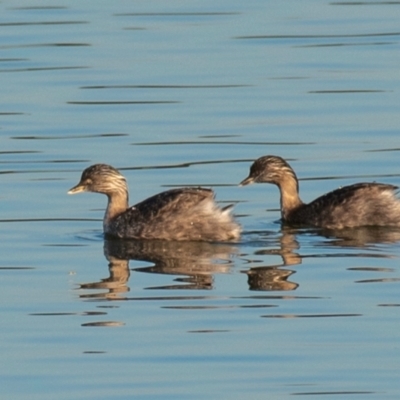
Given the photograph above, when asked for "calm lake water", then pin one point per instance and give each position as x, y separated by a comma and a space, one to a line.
189, 93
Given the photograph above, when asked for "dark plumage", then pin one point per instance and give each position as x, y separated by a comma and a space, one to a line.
177, 214
361, 204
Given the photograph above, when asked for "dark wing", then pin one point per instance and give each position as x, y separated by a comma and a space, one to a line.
343, 195
183, 198
346, 206
160, 212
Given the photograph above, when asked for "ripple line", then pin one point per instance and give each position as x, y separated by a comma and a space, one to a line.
292, 316
329, 393
191, 142
355, 35
43, 23
347, 91
176, 14
34, 69
102, 103
47, 220
164, 86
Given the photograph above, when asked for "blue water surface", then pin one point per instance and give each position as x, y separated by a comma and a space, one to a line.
189, 93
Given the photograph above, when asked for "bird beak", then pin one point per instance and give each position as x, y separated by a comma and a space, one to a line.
248, 181
77, 189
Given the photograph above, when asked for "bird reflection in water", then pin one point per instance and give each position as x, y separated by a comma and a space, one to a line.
194, 262
115, 286
364, 241
271, 278
363, 237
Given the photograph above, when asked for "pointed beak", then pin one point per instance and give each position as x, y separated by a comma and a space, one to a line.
248, 181
77, 189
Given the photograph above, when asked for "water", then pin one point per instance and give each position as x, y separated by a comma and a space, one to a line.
189, 94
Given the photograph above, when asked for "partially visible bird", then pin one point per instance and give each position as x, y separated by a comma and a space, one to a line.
361, 204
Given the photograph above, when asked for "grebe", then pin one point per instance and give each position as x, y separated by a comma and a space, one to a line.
177, 214
361, 204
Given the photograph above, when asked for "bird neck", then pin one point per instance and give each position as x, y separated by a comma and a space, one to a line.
117, 204
290, 199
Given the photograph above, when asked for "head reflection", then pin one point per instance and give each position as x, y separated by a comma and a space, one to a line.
274, 278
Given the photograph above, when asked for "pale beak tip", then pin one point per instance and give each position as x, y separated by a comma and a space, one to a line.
247, 181
76, 189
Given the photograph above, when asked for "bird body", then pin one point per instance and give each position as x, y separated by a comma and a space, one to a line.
176, 214
360, 204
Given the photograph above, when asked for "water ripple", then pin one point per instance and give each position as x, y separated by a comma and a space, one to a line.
164, 86
122, 102
320, 36
364, 3
52, 137
176, 14
341, 393
290, 316
344, 91
34, 69
42, 23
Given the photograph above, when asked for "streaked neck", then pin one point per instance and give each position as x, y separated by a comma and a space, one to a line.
290, 199
117, 204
